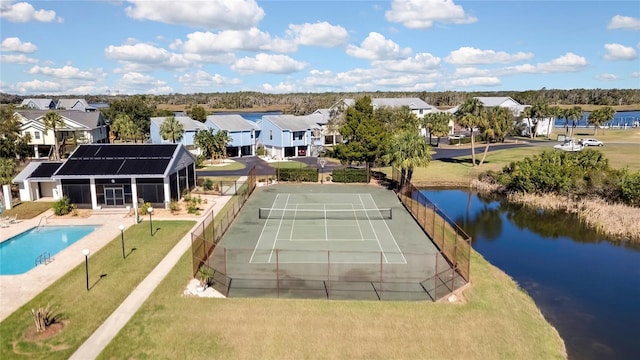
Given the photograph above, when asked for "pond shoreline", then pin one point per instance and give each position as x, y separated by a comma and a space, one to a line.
618, 221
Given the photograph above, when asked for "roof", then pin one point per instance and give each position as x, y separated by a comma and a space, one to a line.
119, 160
411, 103
491, 101
232, 122
40, 104
90, 120
188, 124
296, 123
69, 104
37, 169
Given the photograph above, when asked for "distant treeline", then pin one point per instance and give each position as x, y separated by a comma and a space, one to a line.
304, 103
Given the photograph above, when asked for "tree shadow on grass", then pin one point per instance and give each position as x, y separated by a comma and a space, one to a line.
459, 161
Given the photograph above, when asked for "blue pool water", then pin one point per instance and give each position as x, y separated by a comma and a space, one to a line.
18, 254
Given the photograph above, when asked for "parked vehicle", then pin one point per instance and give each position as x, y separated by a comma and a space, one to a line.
569, 144
591, 142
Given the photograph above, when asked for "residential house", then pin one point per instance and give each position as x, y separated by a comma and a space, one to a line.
112, 175
244, 134
540, 127
329, 133
190, 127
290, 136
74, 104
38, 104
79, 128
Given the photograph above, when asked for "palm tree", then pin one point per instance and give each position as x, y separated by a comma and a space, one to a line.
220, 141
171, 129
496, 125
438, 124
600, 116
470, 115
52, 120
408, 150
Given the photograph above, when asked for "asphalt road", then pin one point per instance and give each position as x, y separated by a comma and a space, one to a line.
263, 168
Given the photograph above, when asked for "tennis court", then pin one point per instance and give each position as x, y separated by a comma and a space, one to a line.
326, 241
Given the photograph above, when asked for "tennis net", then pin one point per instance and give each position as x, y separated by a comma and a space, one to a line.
319, 214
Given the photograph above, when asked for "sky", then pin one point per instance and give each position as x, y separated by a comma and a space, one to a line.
160, 47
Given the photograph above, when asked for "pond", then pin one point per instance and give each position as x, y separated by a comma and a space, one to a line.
587, 286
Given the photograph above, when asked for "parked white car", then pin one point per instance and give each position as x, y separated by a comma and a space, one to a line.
591, 142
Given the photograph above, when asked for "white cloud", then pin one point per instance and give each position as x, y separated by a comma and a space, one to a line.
377, 47
624, 22
67, 72
135, 83
233, 40
464, 72
635, 74
606, 77
472, 56
265, 63
318, 34
367, 80
17, 59
25, 12
39, 87
568, 62
15, 44
619, 52
201, 79
210, 14
279, 88
146, 56
421, 14
475, 81
419, 63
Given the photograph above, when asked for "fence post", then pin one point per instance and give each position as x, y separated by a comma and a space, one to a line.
329, 274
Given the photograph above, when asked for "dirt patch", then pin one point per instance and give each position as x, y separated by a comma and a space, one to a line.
50, 331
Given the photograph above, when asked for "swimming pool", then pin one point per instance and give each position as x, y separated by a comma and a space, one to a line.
19, 253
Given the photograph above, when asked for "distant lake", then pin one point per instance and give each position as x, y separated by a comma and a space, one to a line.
619, 119
251, 116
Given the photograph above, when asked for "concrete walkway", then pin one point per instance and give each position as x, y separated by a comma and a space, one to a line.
94, 345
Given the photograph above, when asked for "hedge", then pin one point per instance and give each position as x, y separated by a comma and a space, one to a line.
350, 175
304, 174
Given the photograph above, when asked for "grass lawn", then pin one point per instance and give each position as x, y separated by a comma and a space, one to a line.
111, 279
226, 166
291, 164
28, 209
497, 321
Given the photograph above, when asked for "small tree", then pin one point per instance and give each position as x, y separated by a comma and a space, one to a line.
470, 115
198, 113
171, 129
600, 116
408, 150
53, 121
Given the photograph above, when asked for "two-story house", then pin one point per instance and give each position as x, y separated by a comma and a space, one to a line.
79, 128
190, 127
291, 136
244, 134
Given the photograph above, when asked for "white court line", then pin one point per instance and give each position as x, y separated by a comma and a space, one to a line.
374, 232
388, 230
275, 240
357, 222
262, 232
293, 222
332, 239
326, 228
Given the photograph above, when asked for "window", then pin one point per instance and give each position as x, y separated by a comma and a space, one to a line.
36, 135
270, 134
298, 135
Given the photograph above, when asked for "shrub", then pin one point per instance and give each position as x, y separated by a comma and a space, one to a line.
144, 208
62, 206
207, 184
630, 189
174, 206
261, 151
307, 175
44, 317
350, 175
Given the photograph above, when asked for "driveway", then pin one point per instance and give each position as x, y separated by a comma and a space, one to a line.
263, 168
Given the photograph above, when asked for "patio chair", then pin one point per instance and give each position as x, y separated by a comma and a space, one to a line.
14, 219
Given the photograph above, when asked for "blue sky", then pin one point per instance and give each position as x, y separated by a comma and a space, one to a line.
189, 46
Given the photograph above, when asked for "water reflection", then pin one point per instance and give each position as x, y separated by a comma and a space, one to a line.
586, 285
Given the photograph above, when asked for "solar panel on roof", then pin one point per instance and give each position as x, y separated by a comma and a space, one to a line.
125, 151
45, 170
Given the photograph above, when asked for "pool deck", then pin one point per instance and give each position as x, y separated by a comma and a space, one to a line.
17, 290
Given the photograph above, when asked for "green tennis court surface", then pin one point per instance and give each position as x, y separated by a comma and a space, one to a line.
319, 241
